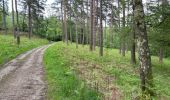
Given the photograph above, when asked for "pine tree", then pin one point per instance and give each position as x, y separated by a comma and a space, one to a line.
101, 29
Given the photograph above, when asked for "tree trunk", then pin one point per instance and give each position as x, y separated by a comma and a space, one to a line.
71, 35
97, 24
82, 24
29, 21
123, 38
133, 44
63, 34
111, 36
17, 17
13, 19
17, 26
164, 4
144, 52
4, 18
161, 55
120, 48
101, 30
120, 44
76, 36
133, 49
91, 35
111, 28
94, 24
82, 35
123, 47
98, 33
87, 32
65, 21
105, 33
70, 30
127, 48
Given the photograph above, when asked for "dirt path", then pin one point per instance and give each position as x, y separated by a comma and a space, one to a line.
22, 78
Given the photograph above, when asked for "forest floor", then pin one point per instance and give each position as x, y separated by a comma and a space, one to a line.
70, 72
74, 74
23, 77
9, 48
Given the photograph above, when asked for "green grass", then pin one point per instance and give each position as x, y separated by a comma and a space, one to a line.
63, 84
60, 57
9, 48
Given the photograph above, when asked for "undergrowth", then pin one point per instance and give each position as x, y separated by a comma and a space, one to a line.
9, 48
126, 75
63, 84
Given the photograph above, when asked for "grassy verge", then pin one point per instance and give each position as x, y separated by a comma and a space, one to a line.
126, 76
63, 84
9, 48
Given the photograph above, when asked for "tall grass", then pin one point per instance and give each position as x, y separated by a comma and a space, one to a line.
9, 48
126, 75
63, 84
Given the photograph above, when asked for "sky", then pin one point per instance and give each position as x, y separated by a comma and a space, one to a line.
47, 8
10, 4
48, 2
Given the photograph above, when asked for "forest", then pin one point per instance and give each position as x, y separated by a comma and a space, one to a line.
84, 50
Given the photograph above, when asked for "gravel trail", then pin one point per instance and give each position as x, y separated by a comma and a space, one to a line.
23, 77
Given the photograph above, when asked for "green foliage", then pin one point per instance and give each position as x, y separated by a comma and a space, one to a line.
124, 33
9, 48
54, 29
158, 20
0, 19
126, 76
63, 84
159, 38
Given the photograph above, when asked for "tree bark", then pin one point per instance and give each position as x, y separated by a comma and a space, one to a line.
65, 21
133, 49
82, 24
63, 34
123, 38
111, 36
101, 30
82, 35
13, 19
120, 44
17, 17
94, 24
76, 36
71, 35
161, 55
70, 28
111, 27
164, 4
91, 35
105, 32
133, 44
29, 20
17, 26
87, 32
144, 52
97, 24
4, 18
